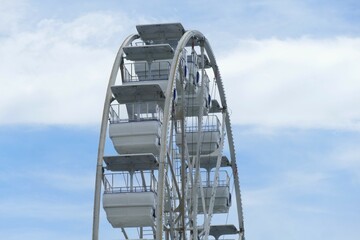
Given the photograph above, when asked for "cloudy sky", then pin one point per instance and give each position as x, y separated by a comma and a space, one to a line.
291, 71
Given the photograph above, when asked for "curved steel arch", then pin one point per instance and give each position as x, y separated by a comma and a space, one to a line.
167, 110
103, 128
161, 180
230, 137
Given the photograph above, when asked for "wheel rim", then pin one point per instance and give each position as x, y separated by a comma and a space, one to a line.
181, 220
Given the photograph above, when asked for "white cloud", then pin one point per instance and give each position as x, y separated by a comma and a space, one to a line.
294, 82
59, 180
45, 210
43, 234
346, 158
286, 187
65, 181
12, 14
288, 201
58, 73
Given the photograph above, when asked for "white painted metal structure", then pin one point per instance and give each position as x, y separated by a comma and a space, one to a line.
168, 120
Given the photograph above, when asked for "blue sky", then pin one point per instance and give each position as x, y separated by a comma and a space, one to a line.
292, 77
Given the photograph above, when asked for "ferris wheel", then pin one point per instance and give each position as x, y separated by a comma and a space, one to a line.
174, 174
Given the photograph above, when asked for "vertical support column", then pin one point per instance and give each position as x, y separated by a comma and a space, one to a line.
183, 174
148, 74
197, 180
208, 177
131, 181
